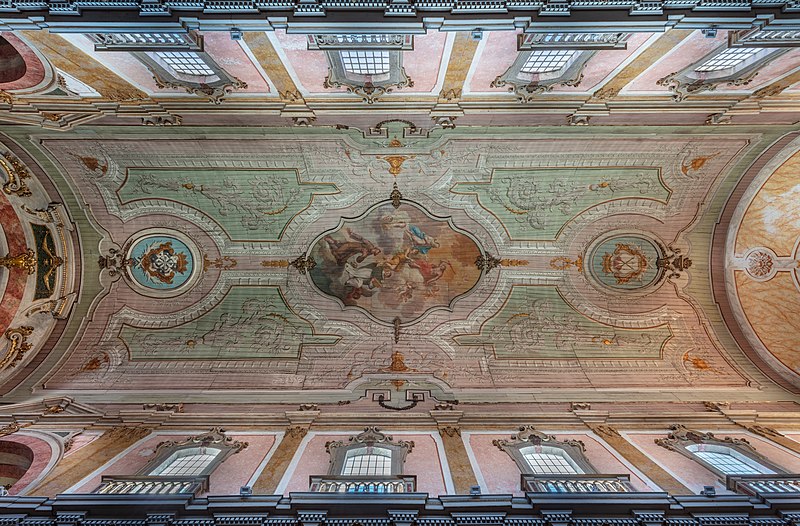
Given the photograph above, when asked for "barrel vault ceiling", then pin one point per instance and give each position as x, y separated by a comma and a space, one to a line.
285, 239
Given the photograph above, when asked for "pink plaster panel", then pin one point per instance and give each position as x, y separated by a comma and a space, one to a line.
689, 51
497, 56
234, 472
789, 462
689, 472
311, 67
230, 55
34, 72
775, 69
503, 476
500, 473
423, 461
42, 453
238, 468
423, 63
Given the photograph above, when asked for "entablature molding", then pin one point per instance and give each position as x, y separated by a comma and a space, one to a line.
307, 509
333, 17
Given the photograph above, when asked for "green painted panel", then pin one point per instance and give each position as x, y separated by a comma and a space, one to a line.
536, 203
249, 204
249, 323
537, 323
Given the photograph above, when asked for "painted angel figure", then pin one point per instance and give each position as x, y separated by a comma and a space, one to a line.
420, 242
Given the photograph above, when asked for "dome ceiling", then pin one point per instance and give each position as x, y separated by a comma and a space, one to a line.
482, 263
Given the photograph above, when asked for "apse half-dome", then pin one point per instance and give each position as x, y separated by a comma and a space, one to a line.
762, 265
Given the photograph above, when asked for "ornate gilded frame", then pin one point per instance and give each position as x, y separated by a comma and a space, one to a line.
527, 85
213, 91
215, 438
370, 437
369, 87
688, 81
528, 436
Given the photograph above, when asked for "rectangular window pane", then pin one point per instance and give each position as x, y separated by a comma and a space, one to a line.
727, 464
547, 60
367, 465
185, 62
365, 62
729, 58
549, 464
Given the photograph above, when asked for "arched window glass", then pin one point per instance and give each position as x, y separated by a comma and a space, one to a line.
549, 461
547, 60
187, 462
723, 456
728, 59
365, 62
727, 460
368, 461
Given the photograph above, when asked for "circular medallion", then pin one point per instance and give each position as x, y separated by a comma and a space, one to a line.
162, 264
625, 262
760, 263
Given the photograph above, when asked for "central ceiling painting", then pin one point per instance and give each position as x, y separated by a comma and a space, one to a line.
480, 263
396, 262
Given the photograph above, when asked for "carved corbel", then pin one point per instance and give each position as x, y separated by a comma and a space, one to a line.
17, 173
214, 93
19, 346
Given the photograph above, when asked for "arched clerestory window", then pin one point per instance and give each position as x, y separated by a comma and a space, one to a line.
722, 456
370, 462
177, 467
188, 462
731, 67
540, 454
367, 65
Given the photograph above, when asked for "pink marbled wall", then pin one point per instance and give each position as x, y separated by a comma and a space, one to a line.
775, 69
423, 63
42, 453
696, 476
689, 51
502, 475
604, 62
423, 461
234, 472
311, 67
497, 56
230, 55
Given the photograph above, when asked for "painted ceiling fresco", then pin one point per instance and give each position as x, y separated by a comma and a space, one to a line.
480, 262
